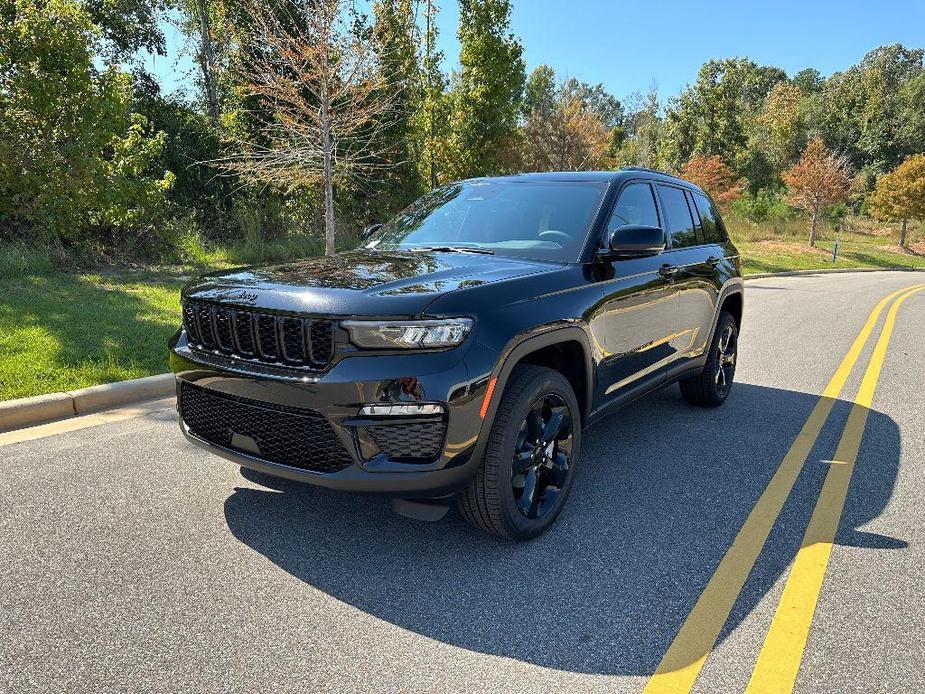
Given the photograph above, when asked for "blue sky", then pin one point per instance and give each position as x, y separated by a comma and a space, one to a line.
630, 45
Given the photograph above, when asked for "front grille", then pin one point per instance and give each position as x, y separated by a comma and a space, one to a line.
283, 340
418, 440
286, 435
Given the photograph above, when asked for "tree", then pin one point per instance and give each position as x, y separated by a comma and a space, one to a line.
540, 91
780, 124
863, 111
487, 93
432, 119
819, 180
205, 56
128, 26
711, 174
395, 40
808, 80
321, 87
713, 115
565, 137
900, 194
564, 129
75, 160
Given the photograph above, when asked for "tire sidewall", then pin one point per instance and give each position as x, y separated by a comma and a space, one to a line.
546, 381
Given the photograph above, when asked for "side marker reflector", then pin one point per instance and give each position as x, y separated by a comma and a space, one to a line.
487, 398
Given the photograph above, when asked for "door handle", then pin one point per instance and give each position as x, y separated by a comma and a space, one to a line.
667, 270
713, 261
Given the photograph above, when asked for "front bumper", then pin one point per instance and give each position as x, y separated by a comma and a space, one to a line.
456, 379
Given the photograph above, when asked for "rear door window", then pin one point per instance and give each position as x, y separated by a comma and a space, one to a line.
678, 220
713, 231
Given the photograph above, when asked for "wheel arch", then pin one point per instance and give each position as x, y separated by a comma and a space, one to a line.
565, 349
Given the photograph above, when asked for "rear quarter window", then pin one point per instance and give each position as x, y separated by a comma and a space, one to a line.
713, 229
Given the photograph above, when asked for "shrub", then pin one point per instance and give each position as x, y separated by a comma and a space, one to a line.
763, 207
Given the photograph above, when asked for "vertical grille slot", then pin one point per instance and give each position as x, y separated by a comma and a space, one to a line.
266, 337
293, 342
244, 332
297, 342
223, 329
321, 340
206, 331
189, 322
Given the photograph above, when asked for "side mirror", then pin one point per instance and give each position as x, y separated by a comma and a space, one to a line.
370, 230
635, 241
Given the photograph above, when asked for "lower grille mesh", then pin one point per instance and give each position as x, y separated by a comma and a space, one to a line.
419, 440
289, 436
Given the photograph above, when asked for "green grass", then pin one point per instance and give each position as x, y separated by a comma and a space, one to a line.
66, 330
782, 246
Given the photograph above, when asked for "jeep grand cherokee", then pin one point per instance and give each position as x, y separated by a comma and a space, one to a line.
460, 351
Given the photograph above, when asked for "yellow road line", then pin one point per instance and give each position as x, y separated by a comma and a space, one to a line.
678, 670
91, 420
780, 657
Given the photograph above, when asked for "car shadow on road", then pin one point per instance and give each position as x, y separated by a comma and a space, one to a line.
663, 489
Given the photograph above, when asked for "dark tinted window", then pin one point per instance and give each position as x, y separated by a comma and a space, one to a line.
698, 228
635, 206
678, 220
712, 226
541, 219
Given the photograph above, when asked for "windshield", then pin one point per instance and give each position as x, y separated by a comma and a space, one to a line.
547, 220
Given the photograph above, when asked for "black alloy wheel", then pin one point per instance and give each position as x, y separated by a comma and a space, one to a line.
711, 386
530, 457
542, 456
725, 363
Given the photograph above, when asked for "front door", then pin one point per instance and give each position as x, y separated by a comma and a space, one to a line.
635, 324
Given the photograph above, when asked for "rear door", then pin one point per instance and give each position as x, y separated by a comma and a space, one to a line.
637, 318
689, 262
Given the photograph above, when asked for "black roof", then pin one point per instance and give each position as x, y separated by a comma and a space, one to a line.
599, 176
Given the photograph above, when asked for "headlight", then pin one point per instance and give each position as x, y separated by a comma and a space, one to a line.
420, 334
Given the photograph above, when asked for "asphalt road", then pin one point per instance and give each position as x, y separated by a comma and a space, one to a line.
132, 561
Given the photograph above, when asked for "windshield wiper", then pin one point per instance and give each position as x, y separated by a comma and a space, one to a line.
455, 249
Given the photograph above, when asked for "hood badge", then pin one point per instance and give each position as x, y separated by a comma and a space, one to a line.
243, 297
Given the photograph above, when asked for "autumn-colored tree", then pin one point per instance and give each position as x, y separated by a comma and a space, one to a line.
712, 174
819, 180
565, 137
322, 87
900, 194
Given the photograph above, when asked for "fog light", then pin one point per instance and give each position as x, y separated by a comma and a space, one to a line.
401, 410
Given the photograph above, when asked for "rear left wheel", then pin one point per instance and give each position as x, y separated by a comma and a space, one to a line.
711, 386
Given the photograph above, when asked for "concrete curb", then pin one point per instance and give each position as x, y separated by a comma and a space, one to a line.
830, 271
41, 409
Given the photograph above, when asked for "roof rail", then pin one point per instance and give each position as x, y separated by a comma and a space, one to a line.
643, 168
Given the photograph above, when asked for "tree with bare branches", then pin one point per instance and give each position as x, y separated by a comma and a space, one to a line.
317, 86
818, 181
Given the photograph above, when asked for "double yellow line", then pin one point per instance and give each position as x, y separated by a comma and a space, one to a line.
780, 657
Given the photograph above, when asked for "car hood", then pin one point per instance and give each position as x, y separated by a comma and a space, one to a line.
392, 283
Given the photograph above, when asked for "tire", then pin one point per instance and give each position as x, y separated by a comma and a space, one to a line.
513, 503
711, 386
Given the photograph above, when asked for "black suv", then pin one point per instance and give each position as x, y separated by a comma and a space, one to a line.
461, 350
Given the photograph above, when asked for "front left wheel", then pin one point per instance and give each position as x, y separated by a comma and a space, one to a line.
529, 466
